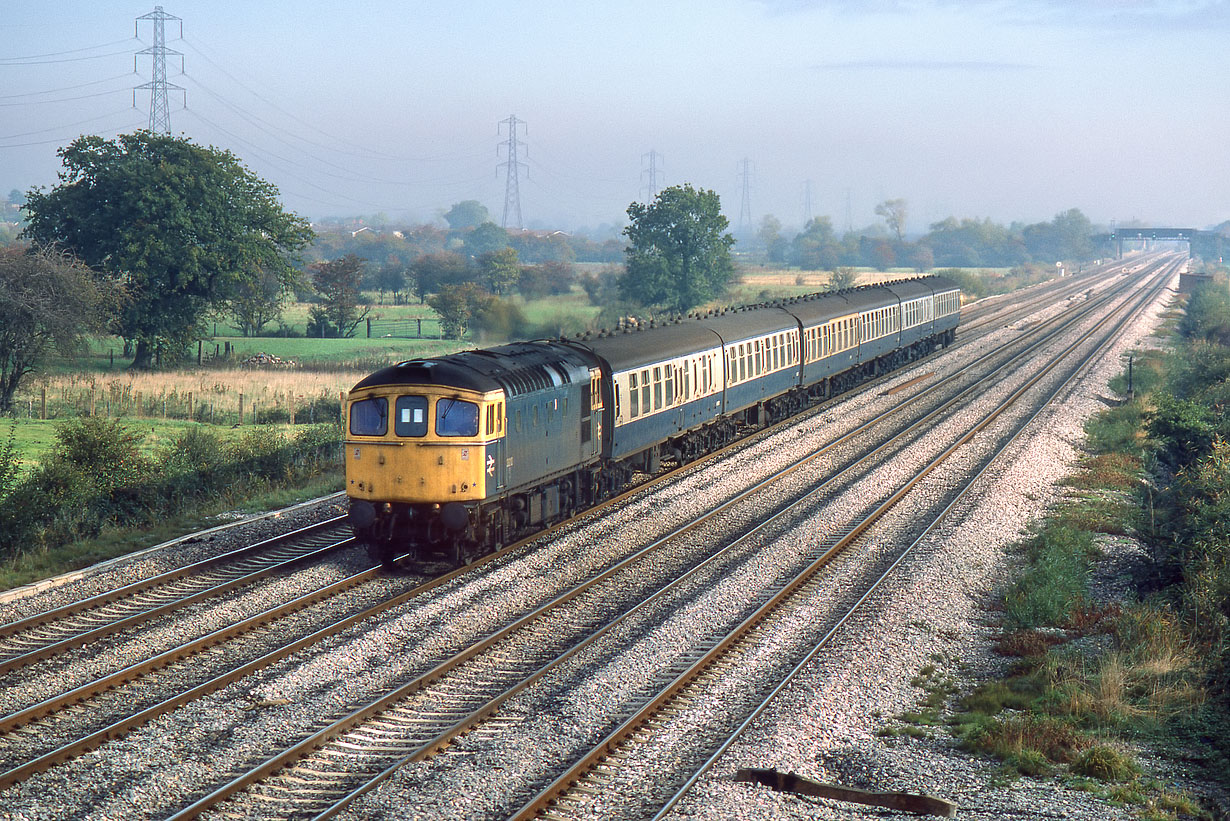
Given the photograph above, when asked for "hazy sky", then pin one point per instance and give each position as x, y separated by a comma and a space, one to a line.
1008, 109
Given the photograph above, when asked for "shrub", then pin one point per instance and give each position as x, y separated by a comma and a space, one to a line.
105, 450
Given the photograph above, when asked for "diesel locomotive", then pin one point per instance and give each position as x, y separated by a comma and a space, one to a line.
451, 457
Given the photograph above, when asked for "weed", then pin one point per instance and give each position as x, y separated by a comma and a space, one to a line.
1105, 764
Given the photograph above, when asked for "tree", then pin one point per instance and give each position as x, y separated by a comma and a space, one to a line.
430, 272
466, 214
47, 300
499, 270
456, 305
485, 237
816, 248
339, 284
179, 225
391, 278
258, 301
679, 255
770, 236
894, 213
843, 278
546, 279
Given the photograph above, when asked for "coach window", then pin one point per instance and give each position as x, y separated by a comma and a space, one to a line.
411, 416
369, 417
670, 385
455, 417
634, 402
657, 389
645, 406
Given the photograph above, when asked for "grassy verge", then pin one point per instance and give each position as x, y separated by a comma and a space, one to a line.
103, 490
1089, 680
116, 541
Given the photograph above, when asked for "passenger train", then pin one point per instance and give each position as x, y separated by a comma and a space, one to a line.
451, 457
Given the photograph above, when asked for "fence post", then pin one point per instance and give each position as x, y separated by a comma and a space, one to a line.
200, 351
42, 409
92, 405
190, 414
341, 397
241, 408
369, 329
420, 328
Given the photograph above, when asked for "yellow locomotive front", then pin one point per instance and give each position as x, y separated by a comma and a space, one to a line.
420, 458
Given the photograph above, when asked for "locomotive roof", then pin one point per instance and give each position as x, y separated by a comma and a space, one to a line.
521, 367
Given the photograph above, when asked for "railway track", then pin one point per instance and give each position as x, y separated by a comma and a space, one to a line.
113, 729
626, 754
53, 632
406, 725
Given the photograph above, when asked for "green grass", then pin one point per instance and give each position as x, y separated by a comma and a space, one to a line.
35, 437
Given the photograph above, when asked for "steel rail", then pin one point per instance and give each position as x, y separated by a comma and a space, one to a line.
86, 607
548, 797
426, 749
828, 636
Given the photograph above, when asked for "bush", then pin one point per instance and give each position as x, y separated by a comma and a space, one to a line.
105, 450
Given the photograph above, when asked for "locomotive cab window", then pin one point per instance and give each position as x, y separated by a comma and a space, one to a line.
455, 417
411, 419
369, 417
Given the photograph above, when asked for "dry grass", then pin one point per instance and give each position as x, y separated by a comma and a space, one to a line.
144, 393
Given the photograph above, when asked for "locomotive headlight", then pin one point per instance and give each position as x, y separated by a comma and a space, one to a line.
386, 508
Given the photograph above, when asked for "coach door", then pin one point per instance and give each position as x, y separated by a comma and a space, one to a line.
591, 415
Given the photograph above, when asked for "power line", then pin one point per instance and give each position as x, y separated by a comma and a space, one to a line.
22, 60
58, 90
63, 140
66, 125
64, 99
359, 151
159, 112
512, 166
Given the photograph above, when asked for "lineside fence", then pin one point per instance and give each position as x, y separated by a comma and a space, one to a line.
219, 407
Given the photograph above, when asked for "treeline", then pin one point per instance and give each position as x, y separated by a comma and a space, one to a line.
970, 243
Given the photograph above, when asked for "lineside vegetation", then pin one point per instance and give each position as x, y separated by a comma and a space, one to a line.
1093, 678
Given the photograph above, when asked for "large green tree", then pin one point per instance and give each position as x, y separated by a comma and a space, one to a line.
678, 254
178, 224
